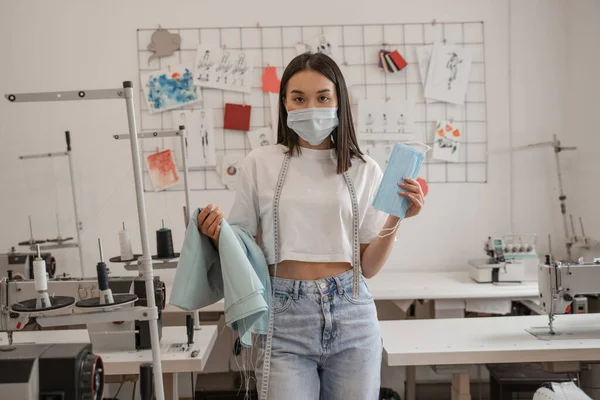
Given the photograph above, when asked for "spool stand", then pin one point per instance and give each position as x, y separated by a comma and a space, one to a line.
60, 242
166, 263
107, 299
47, 303
149, 313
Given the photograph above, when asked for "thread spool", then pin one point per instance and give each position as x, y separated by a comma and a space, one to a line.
106, 296
125, 244
40, 281
146, 389
164, 243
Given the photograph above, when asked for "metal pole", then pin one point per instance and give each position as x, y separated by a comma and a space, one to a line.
146, 260
78, 226
562, 198
186, 184
183, 137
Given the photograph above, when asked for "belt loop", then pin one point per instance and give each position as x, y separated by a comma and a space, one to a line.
296, 290
339, 285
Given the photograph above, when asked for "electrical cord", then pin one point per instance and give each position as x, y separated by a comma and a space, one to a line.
119, 389
192, 379
133, 391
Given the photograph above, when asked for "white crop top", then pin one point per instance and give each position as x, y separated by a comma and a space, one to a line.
315, 208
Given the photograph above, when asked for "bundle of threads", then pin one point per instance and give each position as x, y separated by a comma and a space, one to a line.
164, 242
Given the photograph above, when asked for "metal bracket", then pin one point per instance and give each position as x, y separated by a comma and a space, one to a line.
99, 94
150, 135
122, 314
44, 155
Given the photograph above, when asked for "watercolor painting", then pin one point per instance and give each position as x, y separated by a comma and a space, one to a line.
448, 74
223, 69
169, 88
446, 142
163, 171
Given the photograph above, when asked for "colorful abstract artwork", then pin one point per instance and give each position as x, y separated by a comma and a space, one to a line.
169, 88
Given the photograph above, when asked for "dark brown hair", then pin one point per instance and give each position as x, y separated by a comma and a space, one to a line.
344, 136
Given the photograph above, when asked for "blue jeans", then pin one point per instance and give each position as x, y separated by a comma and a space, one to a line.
326, 344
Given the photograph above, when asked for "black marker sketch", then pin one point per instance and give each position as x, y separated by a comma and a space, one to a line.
369, 123
452, 65
401, 123
204, 66
324, 46
263, 140
224, 67
239, 70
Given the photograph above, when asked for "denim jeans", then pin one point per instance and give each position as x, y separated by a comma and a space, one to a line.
326, 344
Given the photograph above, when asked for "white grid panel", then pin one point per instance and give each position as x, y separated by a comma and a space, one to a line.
359, 46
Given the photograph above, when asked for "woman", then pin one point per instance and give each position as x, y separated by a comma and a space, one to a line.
303, 194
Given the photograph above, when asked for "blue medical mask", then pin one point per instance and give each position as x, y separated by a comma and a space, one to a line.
313, 124
403, 162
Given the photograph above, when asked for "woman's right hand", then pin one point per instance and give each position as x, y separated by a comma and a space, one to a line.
209, 222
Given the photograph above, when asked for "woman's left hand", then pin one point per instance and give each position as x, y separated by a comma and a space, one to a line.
414, 194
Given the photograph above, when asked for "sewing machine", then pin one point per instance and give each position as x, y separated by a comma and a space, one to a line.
51, 371
496, 268
20, 265
118, 335
561, 284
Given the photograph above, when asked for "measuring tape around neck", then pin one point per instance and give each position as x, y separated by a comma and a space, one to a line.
355, 262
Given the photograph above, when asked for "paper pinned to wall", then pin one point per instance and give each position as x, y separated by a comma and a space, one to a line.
274, 108
446, 142
163, 43
448, 73
380, 152
326, 43
200, 136
270, 80
230, 169
260, 137
162, 168
386, 120
237, 117
169, 88
223, 69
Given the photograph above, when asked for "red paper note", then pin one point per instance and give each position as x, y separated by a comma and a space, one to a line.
398, 60
270, 81
163, 171
237, 117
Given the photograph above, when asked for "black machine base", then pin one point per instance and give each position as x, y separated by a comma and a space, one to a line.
119, 298
28, 306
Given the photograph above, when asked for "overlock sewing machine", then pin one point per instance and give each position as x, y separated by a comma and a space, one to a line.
512, 258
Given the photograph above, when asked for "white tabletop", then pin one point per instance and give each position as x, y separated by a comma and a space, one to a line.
128, 362
403, 285
488, 340
400, 285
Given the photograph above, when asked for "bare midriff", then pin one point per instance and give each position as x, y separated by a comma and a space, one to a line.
308, 271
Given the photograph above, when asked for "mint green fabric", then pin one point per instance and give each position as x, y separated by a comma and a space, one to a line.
237, 272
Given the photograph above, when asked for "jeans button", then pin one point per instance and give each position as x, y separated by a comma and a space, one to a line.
325, 299
323, 285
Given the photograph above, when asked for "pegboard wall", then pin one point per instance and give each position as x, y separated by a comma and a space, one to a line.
359, 46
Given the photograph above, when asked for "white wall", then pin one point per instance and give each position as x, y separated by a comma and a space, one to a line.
71, 45
582, 103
